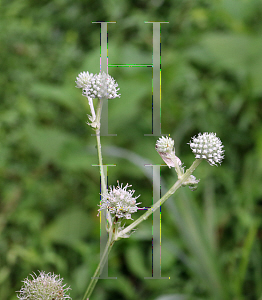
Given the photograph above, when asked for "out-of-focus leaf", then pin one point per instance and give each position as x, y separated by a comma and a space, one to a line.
68, 228
240, 54
49, 142
58, 94
172, 297
135, 261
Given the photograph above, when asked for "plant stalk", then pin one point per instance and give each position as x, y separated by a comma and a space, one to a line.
100, 266
162, 200
98, 142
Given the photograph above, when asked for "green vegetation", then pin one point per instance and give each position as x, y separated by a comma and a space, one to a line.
49, 190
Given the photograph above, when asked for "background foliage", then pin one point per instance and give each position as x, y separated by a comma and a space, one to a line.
211, 81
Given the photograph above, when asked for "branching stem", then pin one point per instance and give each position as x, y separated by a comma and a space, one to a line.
171, 191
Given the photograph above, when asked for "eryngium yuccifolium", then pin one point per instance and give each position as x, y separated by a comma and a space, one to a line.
207, 146
97, 86
43, 287
164, 144
120, 201
165, 148
84, 80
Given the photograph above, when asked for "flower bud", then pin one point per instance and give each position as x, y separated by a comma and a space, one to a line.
165, 148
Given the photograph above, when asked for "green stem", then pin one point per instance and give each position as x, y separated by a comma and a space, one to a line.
110, 241
100, 266
170, 192
98, 142
99, 151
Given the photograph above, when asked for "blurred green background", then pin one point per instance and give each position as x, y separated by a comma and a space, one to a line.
211, 81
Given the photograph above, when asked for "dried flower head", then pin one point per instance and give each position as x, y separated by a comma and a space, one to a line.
191, 182
43, 287
207, 146
120, 201
97, 86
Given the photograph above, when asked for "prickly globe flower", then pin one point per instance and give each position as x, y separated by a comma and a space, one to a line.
207, 146
84, 79
164, 144
97, 86
43, 287
119, 201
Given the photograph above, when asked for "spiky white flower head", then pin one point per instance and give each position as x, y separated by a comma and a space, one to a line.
84, 79
97, 86
164, 144
120, 201
207, 146
43, 287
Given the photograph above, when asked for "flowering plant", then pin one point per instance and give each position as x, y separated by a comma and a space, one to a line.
119, 202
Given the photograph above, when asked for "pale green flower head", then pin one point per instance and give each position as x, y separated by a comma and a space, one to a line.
84, 79
43, 287
165, 144
100, 85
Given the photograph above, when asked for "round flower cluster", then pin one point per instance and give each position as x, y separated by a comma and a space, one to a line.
207, 146
164, 144
97, 86
43, 287
120, 201
83, 80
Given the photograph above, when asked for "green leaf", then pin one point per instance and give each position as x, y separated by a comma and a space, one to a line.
68, 228
49, 142
172, 297
135, 261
